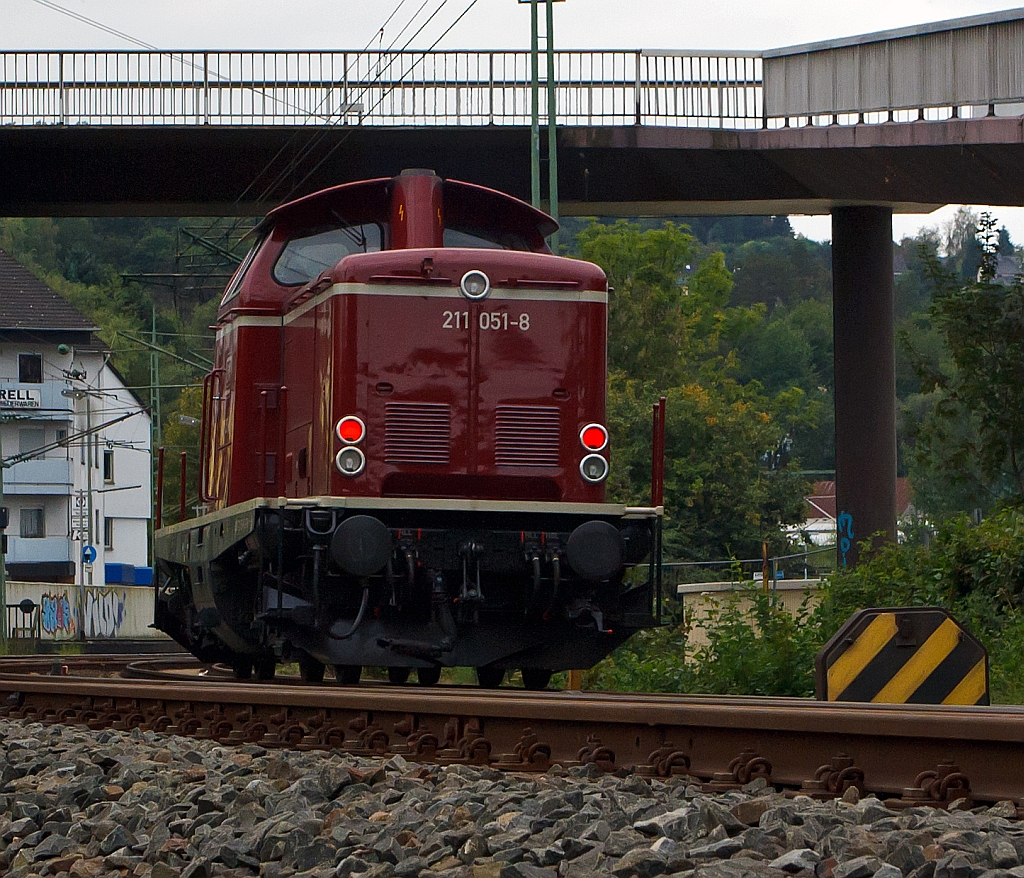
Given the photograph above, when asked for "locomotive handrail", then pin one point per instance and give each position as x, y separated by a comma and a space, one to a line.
261, 467
206, 436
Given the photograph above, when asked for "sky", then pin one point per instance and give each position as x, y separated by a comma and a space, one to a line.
584, 24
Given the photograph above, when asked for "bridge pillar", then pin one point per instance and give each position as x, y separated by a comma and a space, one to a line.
865, 377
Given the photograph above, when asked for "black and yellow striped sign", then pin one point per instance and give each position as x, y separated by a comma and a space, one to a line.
909, 655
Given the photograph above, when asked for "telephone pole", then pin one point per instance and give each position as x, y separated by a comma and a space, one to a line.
3, 546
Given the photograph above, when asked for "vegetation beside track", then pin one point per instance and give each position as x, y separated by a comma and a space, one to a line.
756, 647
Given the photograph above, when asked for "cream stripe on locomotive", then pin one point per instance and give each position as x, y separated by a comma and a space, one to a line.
433, 292
496, 295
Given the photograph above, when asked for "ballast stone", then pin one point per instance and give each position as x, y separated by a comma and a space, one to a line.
79, 804
796, 860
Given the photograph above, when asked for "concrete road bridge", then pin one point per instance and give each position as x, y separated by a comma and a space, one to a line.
903, 120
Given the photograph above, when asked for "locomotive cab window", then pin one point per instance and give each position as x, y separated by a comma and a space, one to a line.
312, 251
236, 281
481, 239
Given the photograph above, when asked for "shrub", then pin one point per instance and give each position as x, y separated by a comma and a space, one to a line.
756, 647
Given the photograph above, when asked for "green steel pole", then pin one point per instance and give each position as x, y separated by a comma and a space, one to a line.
535, 108
552, 124
155, 433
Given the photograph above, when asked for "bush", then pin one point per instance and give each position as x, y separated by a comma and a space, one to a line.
756, 647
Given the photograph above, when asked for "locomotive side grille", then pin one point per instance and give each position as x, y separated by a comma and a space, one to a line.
417, 432
526, 435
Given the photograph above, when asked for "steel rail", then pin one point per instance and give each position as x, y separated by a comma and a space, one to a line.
918, 754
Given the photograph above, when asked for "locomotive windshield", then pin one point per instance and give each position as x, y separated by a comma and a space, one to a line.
236, 281
483, 239
312, 251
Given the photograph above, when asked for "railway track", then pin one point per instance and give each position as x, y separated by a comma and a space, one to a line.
909, 755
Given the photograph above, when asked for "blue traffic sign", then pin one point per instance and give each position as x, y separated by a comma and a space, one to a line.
88, 554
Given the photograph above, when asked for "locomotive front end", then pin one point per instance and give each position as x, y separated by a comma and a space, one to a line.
438, 444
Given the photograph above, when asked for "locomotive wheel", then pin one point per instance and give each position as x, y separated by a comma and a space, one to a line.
536, 679
265, 669
311, 670
398, 676
348, 675
489, 677
241, 668
428, 676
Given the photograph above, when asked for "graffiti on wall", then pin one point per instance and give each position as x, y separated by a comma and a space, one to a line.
104, 613
57, 618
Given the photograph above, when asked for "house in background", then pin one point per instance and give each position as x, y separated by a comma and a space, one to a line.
75, 443
819, 526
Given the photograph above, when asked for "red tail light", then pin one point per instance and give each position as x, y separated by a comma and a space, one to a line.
594, 437
350, 430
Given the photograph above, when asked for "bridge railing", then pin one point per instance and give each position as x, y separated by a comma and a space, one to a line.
446, 88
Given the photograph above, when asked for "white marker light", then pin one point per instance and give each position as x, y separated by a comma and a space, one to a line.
350, 461
594, 468
475, 285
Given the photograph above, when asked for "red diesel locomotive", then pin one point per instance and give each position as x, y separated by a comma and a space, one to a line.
404, 449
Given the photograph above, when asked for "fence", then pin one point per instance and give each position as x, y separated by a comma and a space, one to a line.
801, 565
613, 87
24, 621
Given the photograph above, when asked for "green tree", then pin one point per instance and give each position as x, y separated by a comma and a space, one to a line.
972, 436
672, 332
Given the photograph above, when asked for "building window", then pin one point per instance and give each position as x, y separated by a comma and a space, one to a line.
62, 437
108, 533
30, 368
108, 466
33, 524
31, 439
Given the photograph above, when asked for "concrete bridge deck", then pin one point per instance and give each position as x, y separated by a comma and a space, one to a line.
615, 170
910, 118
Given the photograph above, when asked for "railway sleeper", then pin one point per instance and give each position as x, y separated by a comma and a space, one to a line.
461, 741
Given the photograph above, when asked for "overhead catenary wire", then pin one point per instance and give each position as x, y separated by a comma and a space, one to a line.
267, 191
365, 48
8, 462
322, 131
361, 90
284, 174
181, 59
333, 119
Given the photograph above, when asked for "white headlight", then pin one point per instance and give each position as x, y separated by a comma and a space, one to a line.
350, 461
594, 468
475, 285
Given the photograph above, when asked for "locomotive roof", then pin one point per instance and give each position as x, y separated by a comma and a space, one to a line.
465, 205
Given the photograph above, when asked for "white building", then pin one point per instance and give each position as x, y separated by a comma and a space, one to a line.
75, 443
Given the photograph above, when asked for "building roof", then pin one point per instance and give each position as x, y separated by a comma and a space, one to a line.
26, 303
822, 501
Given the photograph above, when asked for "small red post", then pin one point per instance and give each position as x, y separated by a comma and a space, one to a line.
159, 487
661, 451
658, 454
654, 456
181, 494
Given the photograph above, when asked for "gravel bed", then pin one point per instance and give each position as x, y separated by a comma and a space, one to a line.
97, 804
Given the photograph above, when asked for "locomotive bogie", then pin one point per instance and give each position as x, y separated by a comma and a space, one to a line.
467, 590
